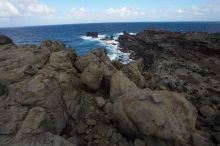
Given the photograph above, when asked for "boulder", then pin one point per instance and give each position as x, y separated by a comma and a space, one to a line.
92, 34
45, 92
5, 40
20, 62
133, 72
62, 60
159, 117
44, 139
92, 76
36, 122
82, 62
119, 85
52, 46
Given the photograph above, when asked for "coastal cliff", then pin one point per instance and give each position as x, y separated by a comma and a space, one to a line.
168, 96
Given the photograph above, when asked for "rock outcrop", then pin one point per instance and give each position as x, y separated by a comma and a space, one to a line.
50, 96
5, 40
92, 34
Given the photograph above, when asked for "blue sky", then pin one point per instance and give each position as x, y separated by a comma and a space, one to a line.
48, 12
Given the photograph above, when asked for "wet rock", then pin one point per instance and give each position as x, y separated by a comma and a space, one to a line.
137, 115
92, 34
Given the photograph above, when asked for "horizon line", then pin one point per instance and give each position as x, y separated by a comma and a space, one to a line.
218, 21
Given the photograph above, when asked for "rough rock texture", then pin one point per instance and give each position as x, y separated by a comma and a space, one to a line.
92, 76
187, 63
44, 139
51, 96
120, 84
154, 115
133, 72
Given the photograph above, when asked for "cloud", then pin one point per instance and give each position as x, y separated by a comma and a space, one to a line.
39, 8
125, 11
13, 8
8, 9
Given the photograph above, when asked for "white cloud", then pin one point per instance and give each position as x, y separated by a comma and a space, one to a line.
39, 8
8, 9
125, 11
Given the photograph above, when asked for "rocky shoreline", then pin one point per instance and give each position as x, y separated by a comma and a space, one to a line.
50, 96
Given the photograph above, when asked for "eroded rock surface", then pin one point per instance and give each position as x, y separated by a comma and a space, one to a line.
49, 96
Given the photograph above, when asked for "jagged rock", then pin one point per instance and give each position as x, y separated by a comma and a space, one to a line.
5, 40
70, 85
201, 138
92, 76
62, 60
100, 101
133, 72
52, 46
92, 34
207, 111
138, 115
44, 139
36, 122
119, 85
83, 62
45, 92
14, 62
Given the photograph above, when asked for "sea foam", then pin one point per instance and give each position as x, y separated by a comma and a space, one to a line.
112, 47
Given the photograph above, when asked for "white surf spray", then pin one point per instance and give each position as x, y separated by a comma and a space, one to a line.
112, 46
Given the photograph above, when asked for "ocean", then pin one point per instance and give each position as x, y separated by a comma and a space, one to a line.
73, 35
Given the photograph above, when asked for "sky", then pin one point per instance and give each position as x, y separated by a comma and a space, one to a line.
50, 12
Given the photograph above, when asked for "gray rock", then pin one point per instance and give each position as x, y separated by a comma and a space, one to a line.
44, 139
92, 76
120, 84
100, 101
147, 118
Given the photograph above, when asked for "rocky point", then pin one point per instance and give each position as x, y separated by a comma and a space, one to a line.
168, 96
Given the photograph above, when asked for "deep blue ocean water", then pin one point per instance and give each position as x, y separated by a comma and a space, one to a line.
72, 35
